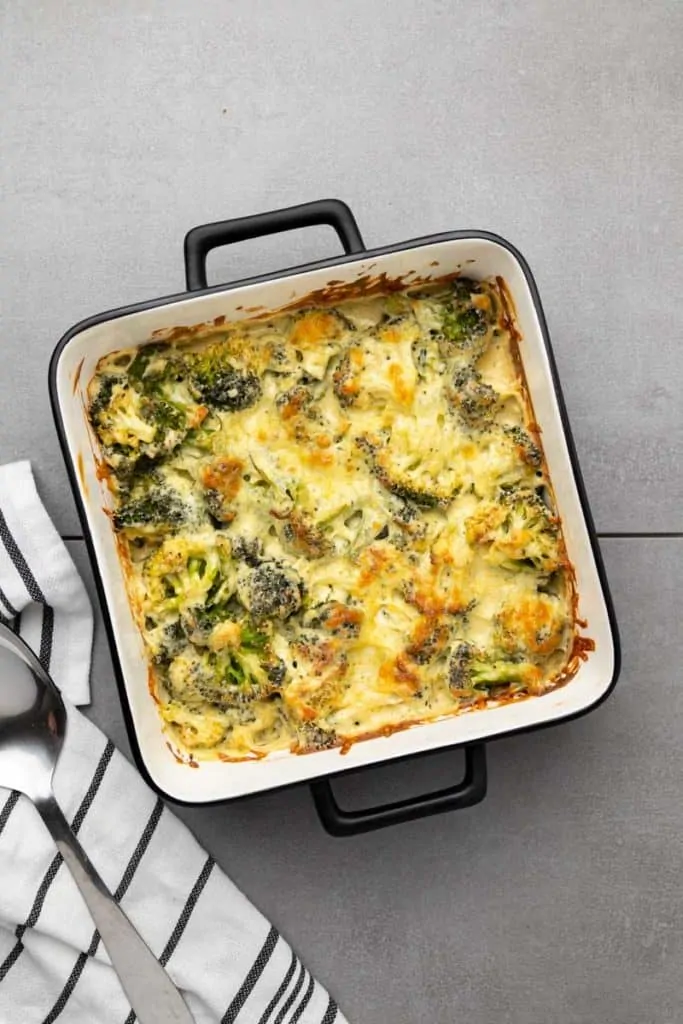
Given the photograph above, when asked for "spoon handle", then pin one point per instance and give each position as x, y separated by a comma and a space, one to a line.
152, 994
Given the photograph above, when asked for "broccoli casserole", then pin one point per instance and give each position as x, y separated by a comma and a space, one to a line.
336, 521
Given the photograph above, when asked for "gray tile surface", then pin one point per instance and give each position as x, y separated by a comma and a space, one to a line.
557, 899
557, 125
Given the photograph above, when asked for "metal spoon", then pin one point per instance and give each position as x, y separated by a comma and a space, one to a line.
32, 730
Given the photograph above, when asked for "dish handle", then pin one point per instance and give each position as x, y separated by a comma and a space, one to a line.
201, 240
340, 822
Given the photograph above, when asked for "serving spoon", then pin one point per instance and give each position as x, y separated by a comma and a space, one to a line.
33, 727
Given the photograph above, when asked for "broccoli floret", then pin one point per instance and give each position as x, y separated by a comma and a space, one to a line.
231, 662
527, 448
126, 462
295, 400
199, 622
401, 475
463, 288
102, 397
247, 549
410, 526
166, 642
507, 463
150, 505
222, 480
346, 378
472, 398
120, 416
150, 515
190, 571
246, 675
427, 353
136, 419
490, 674
234, 680
190, 676
470, 669
407, 517
304, 537
405, 513
429, 640
223, 626
271, 590
148, 361
170, 402
276, 670
409, 492
252, 639
335, 618
216, 507
221, 385
519, 532
254, 642
313, 737
465, 326
533, 626
319, 670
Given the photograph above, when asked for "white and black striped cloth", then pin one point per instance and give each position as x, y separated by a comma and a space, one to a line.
230, 963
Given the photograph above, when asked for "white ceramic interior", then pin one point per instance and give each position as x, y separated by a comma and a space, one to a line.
219, 781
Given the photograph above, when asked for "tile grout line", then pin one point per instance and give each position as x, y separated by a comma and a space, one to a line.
641, 536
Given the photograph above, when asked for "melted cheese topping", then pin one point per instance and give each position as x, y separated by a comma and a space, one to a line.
336, 522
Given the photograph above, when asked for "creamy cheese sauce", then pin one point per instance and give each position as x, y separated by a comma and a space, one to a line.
336, 522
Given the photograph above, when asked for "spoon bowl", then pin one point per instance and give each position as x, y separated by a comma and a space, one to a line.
33, 728
32, 720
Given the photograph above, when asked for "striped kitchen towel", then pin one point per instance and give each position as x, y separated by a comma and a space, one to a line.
230, 963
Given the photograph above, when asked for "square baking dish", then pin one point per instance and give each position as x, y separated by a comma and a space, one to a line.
478, 254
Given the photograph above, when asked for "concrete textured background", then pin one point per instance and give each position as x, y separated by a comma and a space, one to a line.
556, 125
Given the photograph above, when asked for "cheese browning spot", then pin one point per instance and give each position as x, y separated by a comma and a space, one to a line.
225, 476
315, 327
